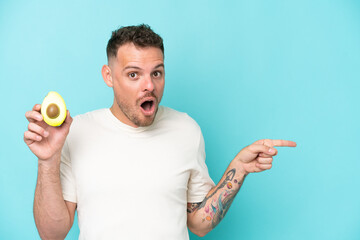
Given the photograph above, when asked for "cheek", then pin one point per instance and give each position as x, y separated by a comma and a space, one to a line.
127, 92
160, 86
118, 89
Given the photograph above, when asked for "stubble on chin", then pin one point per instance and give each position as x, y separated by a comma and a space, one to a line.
134, 117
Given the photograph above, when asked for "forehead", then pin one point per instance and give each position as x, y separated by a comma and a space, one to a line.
128, 54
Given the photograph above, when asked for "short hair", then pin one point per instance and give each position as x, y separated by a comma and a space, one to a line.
141, 35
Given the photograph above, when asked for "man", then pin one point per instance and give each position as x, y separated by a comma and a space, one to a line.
136, 170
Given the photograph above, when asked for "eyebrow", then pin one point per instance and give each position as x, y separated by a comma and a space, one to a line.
131, 67
157, 66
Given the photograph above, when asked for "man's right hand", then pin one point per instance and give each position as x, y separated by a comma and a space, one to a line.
43, 140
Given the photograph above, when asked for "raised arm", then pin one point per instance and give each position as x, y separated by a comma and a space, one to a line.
257, 157
53, 215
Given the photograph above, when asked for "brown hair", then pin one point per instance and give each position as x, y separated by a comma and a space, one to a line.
141, 35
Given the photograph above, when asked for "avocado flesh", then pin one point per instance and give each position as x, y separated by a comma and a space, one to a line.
53, 109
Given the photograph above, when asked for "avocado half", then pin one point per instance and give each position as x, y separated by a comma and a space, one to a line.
53, 109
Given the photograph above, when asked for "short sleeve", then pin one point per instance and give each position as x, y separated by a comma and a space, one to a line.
200, 182
66, 175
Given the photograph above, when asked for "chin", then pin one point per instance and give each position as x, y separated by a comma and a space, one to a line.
142, 121
146, 122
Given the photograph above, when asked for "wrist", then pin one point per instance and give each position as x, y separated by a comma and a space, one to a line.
50, 162
240, 168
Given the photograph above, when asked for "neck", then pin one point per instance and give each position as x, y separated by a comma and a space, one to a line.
116, 111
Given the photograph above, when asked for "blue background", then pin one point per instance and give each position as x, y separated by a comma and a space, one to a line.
244, 70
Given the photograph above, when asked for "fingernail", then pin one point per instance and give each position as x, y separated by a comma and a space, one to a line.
46, 133
271, 150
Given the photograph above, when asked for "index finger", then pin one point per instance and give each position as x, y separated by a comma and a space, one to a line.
36, 107
283, 143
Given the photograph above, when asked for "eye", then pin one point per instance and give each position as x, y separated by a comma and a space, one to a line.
133, 75
157, 74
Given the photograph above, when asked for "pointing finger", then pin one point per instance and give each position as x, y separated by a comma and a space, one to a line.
276, 143
283, 143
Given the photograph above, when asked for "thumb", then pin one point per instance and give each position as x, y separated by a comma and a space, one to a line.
68, 120
252, 151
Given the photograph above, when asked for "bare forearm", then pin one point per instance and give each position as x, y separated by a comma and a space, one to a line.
50, 212
257, 157
206, 215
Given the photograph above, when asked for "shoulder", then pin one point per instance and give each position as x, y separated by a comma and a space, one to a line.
180, 120
82, 123
89, 117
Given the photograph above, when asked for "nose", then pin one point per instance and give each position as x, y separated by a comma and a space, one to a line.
148, 84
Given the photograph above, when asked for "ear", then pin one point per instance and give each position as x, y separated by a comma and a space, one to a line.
106, 74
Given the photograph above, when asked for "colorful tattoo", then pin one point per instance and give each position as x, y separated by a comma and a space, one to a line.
216, 209
191, 207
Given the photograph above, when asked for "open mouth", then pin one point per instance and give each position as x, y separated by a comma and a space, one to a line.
148, 107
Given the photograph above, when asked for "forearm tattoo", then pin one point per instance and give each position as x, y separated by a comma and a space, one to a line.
191, 207
215, 209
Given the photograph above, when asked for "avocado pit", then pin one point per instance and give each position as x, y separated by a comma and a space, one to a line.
53, 111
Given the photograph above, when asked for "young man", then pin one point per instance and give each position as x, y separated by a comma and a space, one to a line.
136, 170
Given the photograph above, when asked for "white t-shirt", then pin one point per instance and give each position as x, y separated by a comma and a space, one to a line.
134, 183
